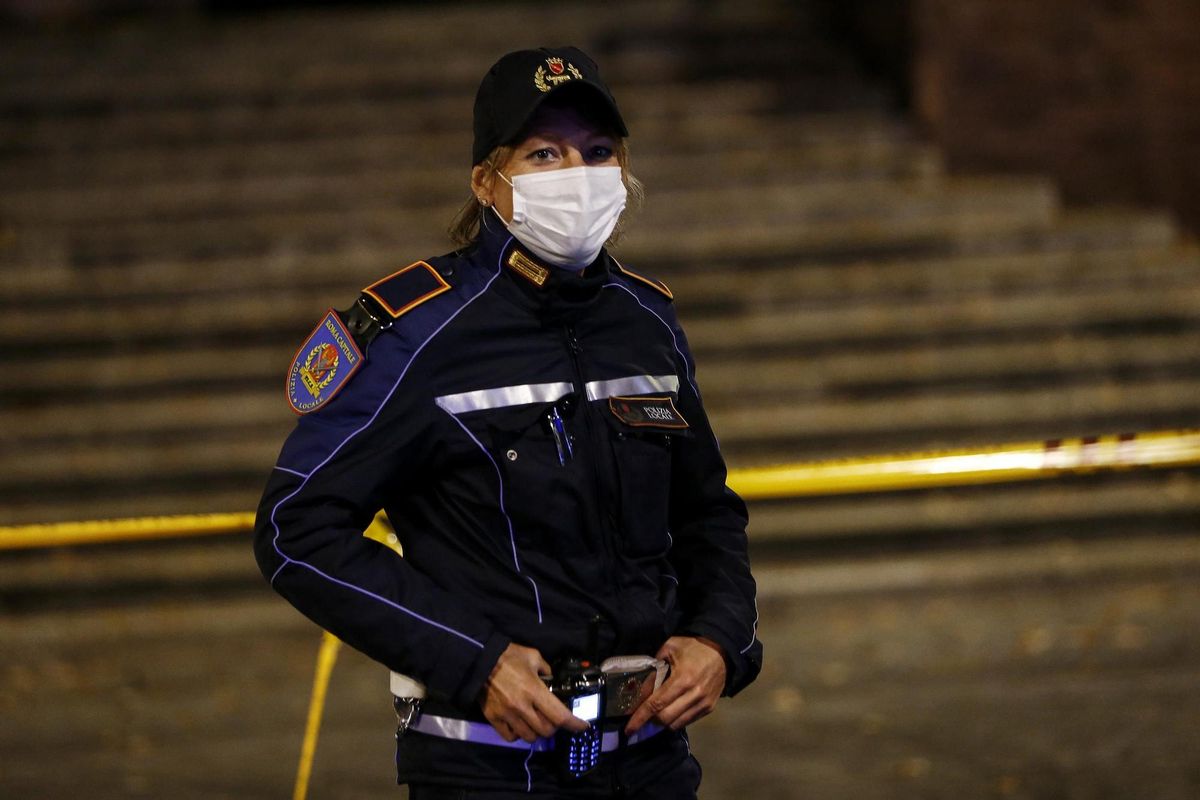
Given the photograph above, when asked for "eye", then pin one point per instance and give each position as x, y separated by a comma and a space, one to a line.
542, 154
599, 152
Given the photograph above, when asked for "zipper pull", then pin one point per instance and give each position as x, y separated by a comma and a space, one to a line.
562, 441
572, 342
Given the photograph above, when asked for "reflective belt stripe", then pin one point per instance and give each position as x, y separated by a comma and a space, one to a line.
503, 396
634, 384
464, 730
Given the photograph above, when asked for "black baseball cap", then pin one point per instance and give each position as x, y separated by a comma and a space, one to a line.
519, 82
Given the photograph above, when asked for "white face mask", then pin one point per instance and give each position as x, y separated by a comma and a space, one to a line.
565, 216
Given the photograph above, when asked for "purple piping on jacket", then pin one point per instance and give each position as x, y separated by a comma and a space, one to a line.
275, 541
291, 472
512, 539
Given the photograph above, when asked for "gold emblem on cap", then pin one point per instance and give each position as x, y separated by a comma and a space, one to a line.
545, 83
527, 268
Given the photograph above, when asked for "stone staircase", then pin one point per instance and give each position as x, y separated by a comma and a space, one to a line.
181, 202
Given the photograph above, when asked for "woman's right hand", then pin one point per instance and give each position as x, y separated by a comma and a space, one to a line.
518, 703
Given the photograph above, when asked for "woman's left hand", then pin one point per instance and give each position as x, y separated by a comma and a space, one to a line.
690, 691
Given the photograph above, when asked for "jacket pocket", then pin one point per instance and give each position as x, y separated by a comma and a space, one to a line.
539, 485
642, 454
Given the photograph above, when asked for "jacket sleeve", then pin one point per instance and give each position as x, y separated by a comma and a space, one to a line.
708, 527
336, 470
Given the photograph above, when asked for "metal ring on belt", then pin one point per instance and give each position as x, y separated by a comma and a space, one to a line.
465, 730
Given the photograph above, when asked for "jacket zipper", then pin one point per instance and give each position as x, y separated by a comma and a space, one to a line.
604, 511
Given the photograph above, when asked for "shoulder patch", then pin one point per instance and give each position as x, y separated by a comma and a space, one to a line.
403, 291
323, 365
657, 286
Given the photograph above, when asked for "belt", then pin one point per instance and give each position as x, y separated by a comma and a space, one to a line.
465, 730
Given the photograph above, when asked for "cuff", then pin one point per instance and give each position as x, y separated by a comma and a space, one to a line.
467, 693
740, 667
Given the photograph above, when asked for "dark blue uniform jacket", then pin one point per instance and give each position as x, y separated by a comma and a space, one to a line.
448, 426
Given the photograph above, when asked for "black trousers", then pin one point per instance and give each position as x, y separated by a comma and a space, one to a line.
625, 775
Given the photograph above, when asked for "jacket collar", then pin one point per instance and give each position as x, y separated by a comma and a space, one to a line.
550, 291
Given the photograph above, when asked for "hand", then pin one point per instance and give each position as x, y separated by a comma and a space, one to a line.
690, 691
518, 704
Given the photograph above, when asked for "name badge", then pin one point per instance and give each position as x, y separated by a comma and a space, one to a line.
646, 412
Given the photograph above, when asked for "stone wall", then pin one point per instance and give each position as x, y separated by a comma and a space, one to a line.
1102, 94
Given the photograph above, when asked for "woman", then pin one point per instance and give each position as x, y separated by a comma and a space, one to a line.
525, 411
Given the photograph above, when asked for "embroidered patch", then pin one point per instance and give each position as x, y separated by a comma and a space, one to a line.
322, 366
558, 67
643, 412
403, 291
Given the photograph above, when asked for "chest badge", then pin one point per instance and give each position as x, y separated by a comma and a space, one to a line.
647, 412
322, 366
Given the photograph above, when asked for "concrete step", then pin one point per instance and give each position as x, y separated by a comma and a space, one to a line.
1080, 505
829, 143
780, 216
716, 244
781, 430
1170, 294
1172, 300
208, 77
723, 285
928, 368
374, 50
207, 455
398, 175
746, 288
234, 125
806, 372
769, 202
726, 286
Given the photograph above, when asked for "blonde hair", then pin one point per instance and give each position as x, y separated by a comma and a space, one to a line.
464, 229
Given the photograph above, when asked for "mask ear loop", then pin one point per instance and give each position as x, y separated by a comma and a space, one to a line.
492, 206
484, 218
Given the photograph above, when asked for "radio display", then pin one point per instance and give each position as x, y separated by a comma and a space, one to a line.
586, 707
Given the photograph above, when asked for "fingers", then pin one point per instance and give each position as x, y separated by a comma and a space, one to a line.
656, 703
537, 714
542, 667
697, 677
687, 708
515, 728
675, 708
516, 701
556, 715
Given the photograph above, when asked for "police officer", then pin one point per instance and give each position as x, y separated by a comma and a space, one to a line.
525, 410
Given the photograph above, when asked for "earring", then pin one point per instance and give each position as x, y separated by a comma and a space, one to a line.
484, 201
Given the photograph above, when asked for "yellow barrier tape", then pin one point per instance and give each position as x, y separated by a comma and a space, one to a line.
60, 534
326, 657
885, 473
1004, 463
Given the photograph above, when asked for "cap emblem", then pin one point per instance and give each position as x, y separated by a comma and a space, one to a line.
560, 72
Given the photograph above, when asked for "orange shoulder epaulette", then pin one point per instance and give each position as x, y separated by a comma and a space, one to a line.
402, 291
658, 286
